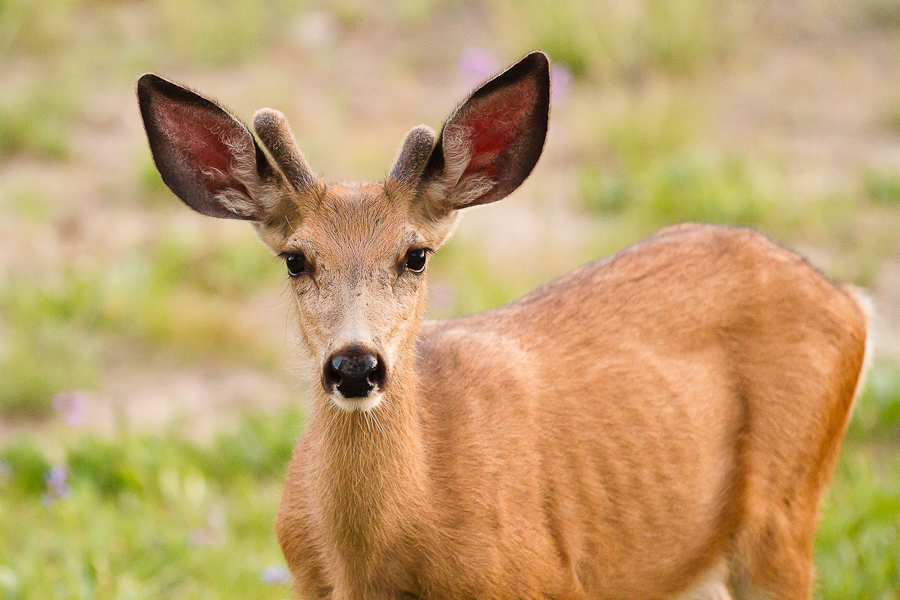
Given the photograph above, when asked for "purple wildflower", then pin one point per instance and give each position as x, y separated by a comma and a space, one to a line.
561, 78
213, 533
275, 575
57, 485
476, 65
70, 407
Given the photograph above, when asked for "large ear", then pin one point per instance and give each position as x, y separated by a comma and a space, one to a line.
490, 144
204, 154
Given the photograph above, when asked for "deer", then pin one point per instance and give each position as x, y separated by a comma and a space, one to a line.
660, 423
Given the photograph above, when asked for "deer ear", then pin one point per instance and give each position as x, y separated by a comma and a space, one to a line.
490, 144
206, 156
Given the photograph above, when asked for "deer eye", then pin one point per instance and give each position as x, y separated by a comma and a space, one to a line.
296, 263
416, 258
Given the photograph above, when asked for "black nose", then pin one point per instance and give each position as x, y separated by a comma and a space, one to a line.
354, 371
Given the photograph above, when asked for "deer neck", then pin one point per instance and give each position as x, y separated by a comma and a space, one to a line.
370, 474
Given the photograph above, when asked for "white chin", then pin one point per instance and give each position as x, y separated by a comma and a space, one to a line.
356, 404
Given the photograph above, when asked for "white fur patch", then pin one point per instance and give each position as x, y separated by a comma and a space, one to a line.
357, 404
867, 306
711, 587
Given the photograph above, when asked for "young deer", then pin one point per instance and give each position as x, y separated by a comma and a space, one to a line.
657, 424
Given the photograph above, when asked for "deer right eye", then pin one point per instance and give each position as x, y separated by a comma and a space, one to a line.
416, 258
296, 264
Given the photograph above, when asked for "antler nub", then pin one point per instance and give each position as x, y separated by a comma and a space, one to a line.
273, 131
414, 154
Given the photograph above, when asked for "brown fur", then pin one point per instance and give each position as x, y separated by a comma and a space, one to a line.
658, 424
615, 434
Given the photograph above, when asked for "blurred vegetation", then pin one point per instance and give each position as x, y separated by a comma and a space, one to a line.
144, 516
858, 540
101, 267
179, 297
617, 39
882, 187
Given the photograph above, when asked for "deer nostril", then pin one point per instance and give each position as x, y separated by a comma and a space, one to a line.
354, 372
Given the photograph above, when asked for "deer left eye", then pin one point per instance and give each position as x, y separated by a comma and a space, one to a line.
415, 259
296, 264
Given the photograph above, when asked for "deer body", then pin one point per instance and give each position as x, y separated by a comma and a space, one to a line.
658, 424
516, 479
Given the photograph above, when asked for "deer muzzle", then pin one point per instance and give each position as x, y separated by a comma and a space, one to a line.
354, 372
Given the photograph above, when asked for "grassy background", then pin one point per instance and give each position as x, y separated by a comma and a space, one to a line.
148, 394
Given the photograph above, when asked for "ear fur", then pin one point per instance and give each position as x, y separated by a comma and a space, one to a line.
206, 156
491, 143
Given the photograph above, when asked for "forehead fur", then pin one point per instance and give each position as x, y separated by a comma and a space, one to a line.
352, 211
349, 216
352, 219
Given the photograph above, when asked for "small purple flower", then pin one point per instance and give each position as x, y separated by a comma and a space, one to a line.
70, 406
56, 479
476, 65
275, 575
57, 486
213, 533
561, 82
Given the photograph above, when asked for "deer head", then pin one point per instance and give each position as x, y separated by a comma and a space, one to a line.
356, 254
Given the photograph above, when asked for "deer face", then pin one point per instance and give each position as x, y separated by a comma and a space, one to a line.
356, 269
356, 254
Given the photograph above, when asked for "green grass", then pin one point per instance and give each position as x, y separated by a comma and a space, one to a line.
877, 415
35, 124
182, 297
36, 28
220, 33
858, 541
882, 187
139, 516
687, 185
29, 202
633, 40
41, 57
655, 170
40, 361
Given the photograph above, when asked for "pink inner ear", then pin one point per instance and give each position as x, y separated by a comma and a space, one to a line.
495, 122
200, 139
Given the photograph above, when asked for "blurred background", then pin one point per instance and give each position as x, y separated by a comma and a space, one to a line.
148, 395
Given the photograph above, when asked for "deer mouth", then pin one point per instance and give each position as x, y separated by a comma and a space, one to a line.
351, 405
